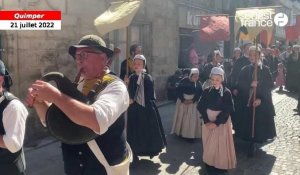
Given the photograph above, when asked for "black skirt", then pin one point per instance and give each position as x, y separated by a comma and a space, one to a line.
264, 127
145, 132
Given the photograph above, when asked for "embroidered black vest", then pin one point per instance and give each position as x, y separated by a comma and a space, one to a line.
79, 159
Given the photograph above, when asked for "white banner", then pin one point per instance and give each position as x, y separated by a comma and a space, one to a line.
117, 16
30, 25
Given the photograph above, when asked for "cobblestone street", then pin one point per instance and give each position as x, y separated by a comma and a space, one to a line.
281, 157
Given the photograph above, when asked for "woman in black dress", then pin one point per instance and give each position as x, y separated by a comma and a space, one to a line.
293, 70
145, 132
264, 116
187, 122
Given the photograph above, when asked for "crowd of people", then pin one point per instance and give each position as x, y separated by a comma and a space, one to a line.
237, 97
283, 65
212, 103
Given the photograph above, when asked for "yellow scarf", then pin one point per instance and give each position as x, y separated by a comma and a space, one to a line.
88, 85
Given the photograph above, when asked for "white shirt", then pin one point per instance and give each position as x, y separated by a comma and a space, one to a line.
14, 121
110, 104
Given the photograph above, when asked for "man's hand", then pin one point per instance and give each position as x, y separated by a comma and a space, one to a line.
254, 83
257, 102
131, 101
43, 91
126, 80
30, 98
33, 100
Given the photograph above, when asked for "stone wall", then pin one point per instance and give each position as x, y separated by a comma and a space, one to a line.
163, 17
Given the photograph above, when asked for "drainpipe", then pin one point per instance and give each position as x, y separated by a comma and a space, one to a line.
18, 67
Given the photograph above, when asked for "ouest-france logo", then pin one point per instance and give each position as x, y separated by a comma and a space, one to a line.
281, 19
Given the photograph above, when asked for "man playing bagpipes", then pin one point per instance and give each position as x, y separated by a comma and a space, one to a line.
107, 99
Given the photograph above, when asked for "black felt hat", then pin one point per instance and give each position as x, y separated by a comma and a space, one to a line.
92, 41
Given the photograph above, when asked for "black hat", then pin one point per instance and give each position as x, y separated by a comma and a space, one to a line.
2, 68
92, 41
